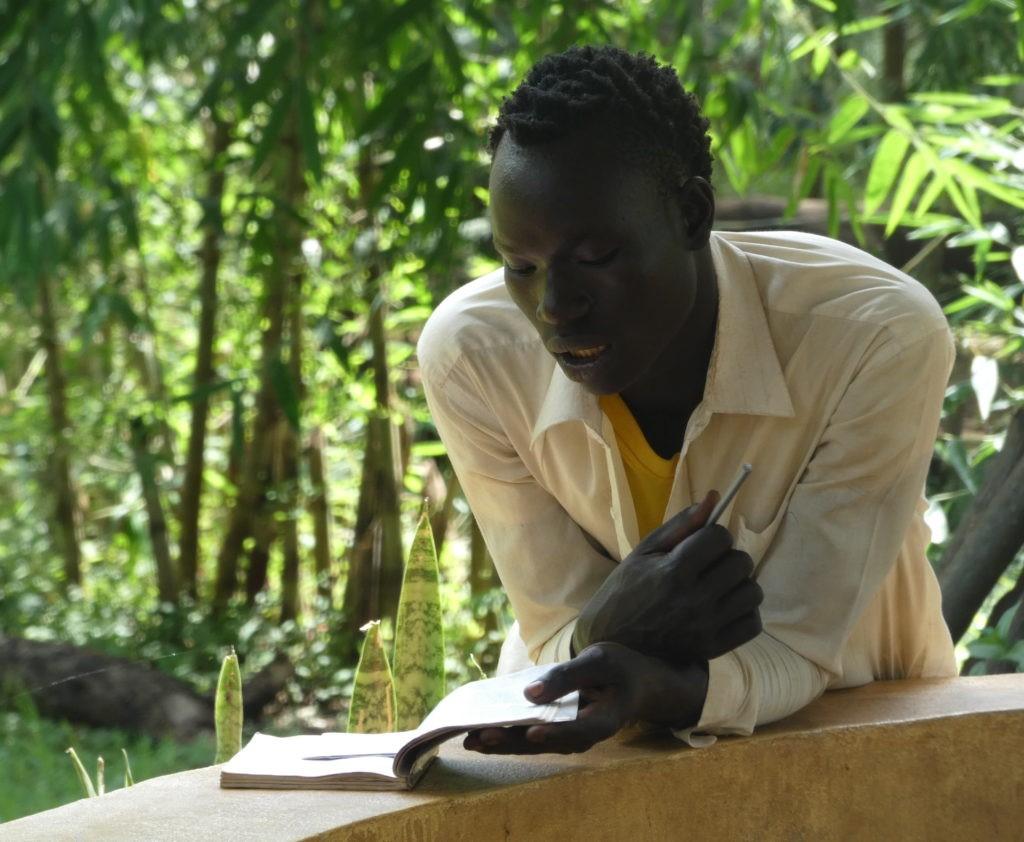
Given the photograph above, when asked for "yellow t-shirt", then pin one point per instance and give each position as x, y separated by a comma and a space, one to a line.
650, 477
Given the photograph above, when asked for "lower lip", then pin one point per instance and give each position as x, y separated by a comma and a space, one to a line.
583, 365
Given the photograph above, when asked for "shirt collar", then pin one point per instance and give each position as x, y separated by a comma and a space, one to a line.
744, 377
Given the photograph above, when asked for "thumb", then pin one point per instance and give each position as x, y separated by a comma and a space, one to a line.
591, 668
679, 526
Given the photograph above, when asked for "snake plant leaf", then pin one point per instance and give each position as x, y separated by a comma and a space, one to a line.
419, 635
128, 779
227, 709
83, 776
373, 695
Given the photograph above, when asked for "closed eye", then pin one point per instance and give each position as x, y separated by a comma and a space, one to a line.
519, 270
602, 261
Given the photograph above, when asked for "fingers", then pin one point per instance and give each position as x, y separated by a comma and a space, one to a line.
741, 600
594, 723
593, 667
700, 551
736, 633
728, 571
679, 526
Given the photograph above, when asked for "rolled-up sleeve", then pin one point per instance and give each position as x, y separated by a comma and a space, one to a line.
546, 564
839, 536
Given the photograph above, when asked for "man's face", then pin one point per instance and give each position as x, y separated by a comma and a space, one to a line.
596, 258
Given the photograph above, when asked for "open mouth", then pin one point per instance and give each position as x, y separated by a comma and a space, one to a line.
583, 358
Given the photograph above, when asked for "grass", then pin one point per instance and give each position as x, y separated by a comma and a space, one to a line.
38, 774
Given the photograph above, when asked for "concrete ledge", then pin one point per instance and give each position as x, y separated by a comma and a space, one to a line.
894, 760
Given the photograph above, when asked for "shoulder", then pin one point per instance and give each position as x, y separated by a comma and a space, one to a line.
815, 278
474, 324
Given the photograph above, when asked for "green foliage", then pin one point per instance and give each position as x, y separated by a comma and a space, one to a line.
419, 636
105, 114
37, 772
995, 644
372, 710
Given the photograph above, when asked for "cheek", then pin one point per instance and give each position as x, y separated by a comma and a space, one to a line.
523, 299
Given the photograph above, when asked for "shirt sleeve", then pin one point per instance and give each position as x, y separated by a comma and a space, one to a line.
839, 537
547, 565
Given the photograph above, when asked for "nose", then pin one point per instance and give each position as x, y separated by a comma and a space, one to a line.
563, 298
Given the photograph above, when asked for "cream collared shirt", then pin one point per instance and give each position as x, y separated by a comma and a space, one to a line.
827, 375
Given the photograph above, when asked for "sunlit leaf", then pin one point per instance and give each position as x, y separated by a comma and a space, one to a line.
848, 115
1017, 261
864, 25
884, 169
935, 519
992, 294
913, 175
985, 382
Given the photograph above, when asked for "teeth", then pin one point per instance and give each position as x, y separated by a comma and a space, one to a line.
587, 353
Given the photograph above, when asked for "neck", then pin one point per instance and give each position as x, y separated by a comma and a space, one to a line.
675, 384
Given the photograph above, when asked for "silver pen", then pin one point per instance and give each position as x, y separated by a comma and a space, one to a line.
716, 512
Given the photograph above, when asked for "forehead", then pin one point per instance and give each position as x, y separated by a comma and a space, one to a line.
569, 182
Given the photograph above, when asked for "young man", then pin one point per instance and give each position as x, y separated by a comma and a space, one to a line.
625, 362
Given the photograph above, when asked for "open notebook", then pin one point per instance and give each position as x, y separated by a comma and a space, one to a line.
396, 760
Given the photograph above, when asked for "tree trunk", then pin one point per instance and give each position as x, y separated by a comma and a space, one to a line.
482, 576
894, 58
167, 580
319, 509
64, 524
209, 256
251, 505
289, 501
989, 535
143, 349
441, 489
371, 591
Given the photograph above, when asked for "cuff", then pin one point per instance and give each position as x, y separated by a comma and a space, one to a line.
558, 648
727, 694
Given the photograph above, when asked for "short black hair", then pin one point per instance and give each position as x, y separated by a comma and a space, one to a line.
657, 119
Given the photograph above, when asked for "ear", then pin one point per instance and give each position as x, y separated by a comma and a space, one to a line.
697, 205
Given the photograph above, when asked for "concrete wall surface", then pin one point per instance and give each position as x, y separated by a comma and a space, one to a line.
929, 760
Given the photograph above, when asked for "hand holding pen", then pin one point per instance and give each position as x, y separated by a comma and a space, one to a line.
684, 593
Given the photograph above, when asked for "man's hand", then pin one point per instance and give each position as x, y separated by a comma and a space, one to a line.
683, 594
617, 687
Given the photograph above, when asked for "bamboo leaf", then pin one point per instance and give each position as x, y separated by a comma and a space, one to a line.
819, 61
931, 193
991, 293
372, 710
227, 709
419, 636
848, 115
967, 209
864, 25
884, 169
916, 169
83, 776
